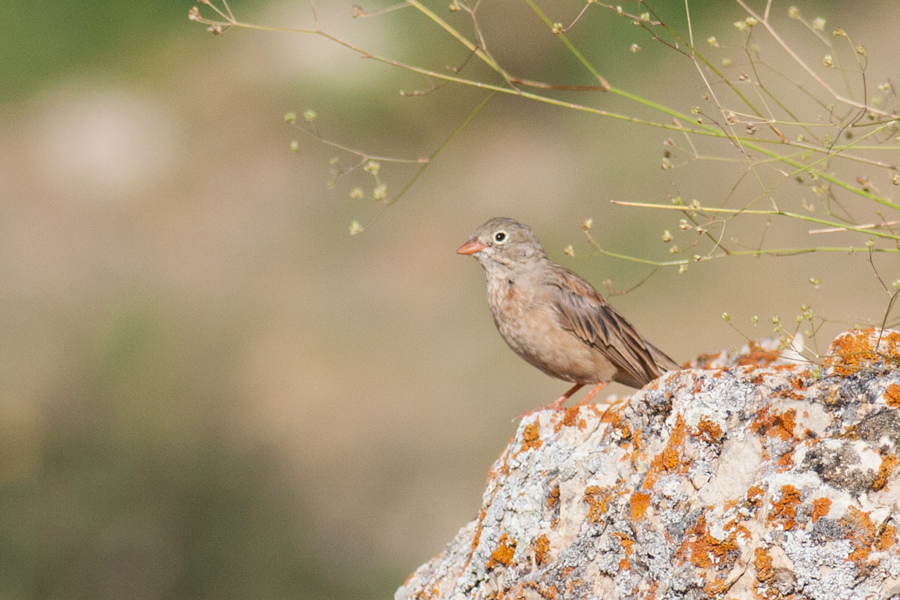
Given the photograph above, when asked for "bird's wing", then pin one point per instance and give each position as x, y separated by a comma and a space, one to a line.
583, 311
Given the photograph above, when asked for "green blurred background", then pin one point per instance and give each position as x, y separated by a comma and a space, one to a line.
208, 389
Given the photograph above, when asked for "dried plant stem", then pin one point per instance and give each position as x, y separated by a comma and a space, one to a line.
771, 213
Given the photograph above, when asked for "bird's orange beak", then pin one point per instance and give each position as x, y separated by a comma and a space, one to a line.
473, 246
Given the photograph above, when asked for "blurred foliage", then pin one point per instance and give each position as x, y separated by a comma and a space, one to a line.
43, 41
137, 490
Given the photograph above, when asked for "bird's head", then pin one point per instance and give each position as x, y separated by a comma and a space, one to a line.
503, 242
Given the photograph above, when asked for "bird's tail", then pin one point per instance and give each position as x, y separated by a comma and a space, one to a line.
662, 360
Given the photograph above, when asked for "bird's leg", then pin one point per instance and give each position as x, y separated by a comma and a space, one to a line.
556, 404
594, 391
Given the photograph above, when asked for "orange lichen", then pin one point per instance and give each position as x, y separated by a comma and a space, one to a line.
785, 462
737, 530
785, 509
598, 499
790, 394
757, 356
637, 443
503, 553
755, 495
859, 531
763, 562
640, 502
571, 418
572, 585
616, 418
888, 463
709, 429
821, 507
669, 460
477, 537
853, 350
627, 542
553, 497
887, 537
801, 381
531, 437
716, 586
704, 360
493, 473
671, 455
541, 548
703, 550
549, 591
698, 386
772, 423
627, 547
892, 395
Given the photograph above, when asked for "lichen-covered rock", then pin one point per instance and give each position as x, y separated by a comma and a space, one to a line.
744, 479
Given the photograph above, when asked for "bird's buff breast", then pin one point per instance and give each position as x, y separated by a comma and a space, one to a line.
530, 327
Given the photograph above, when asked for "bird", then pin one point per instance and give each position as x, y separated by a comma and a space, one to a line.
555, 319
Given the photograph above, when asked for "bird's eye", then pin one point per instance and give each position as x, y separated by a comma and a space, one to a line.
500, 237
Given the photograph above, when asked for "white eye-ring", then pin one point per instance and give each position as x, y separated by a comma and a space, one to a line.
500, 237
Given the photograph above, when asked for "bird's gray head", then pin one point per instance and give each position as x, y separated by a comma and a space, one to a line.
504, 244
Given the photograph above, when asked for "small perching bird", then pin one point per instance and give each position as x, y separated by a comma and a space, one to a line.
555, 319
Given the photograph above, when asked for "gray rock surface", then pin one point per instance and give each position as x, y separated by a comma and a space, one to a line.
737, 478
